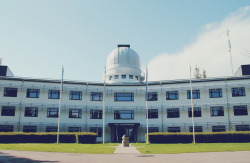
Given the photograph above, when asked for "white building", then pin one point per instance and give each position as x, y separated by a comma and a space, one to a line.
31, 105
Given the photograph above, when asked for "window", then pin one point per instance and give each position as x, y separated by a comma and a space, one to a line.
75, 113
124, 97
51, 128
174, 129
152, 113
221, 128
123, 114
197, 112
32, 93
123, 76
116, 76
96, 96
240, 110
237, 92
196, 129
110, 78
97, 130
10, 92
130, 76
95, 114
136, 77
195, 94
29, 128
217, 111
152, 96
8, 111
6, 128
74, 129
52, 112
173, 113
172, 95
54, 94
153, 129
75, 95
242, 127
31, 112
215, 93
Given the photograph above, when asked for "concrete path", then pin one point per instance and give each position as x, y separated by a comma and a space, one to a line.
130, 149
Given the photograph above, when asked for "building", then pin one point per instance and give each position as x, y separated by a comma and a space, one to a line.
31, 105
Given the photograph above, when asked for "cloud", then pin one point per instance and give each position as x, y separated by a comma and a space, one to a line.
209, 51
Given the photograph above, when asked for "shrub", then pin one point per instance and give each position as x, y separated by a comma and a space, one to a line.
87, 138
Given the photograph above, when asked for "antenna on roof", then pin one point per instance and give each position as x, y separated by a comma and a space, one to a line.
229, 49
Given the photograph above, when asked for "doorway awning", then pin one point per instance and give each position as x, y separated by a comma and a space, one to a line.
124, 124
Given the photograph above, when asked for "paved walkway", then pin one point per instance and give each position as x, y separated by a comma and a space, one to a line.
130, 149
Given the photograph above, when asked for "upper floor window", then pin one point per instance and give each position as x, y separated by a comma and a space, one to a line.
96, 96
217, 111
173, 113
31, 112
172, 95
215, 93
8, 111
54, 94
123, 76
124, 97
195, 94
10, 92
116, 76
75, 113
32, 93
95, 114
237, 92
240, 110
152, 96
52, 112
130, 76
197, 112
123, 114
75, 95
152, 113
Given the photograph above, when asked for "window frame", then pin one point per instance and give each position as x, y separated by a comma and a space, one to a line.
94, 97
73, 95
196, 94
151, 96
53, 93
29, 109
116, 117
238, 91
29, 129
12, 110
151, 114
74, 129
172, 95
241, 110
119, 97
242, 128
215, 93
196, 129
51, 129
95, 114
10, 92
197, 112
35, 91
218, 109
173, 113
72, 111
49, 110
6, 128
219, 128
174, 129
153, 129
97, 130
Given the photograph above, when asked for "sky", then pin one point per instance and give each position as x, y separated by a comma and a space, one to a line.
38, 37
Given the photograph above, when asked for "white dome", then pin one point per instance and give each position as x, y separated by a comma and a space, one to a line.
123, 63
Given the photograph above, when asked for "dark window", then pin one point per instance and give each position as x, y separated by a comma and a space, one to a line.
32, 93
10, 92
75, 95
110, 78
221, 128
196, 129
97, 130
130, 76
31, 112
152, 96
8, 111
240, 110
152, 113
195, 94
242, 127
136, 77
52, 112
124, 97
123, 114
217, 111
54, 94
123, 76
75, 113
74, 129
174, 129
51, 128
29, 128
197, 112
215, 93
237, 92
153, 129
173, 113
6, 128
95, 114
172, 95
96, 96
116, 76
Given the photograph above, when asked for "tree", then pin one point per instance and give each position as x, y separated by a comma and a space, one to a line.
197, 73
204, 74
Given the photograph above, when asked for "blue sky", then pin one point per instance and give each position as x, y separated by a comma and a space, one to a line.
38, 37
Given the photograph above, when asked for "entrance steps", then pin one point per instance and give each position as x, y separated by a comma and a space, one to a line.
130, 149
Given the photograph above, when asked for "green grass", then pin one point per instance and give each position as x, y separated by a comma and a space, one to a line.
191, 148
63, 147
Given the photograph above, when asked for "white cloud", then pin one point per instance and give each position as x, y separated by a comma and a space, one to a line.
209, 51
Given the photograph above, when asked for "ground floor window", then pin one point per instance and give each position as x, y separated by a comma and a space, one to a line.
74, 129
196, 129
29, 128
219, 128
51, 128
153, 129
242, 127
6, 128
97, 130
174, 129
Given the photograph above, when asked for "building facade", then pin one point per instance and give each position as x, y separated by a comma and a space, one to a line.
32, 105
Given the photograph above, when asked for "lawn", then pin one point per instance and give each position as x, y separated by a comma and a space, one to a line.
63, 147
191, 148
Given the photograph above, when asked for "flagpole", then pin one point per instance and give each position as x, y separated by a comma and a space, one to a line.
229, 49
191, 92
103, 109
59, 110
147, 100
